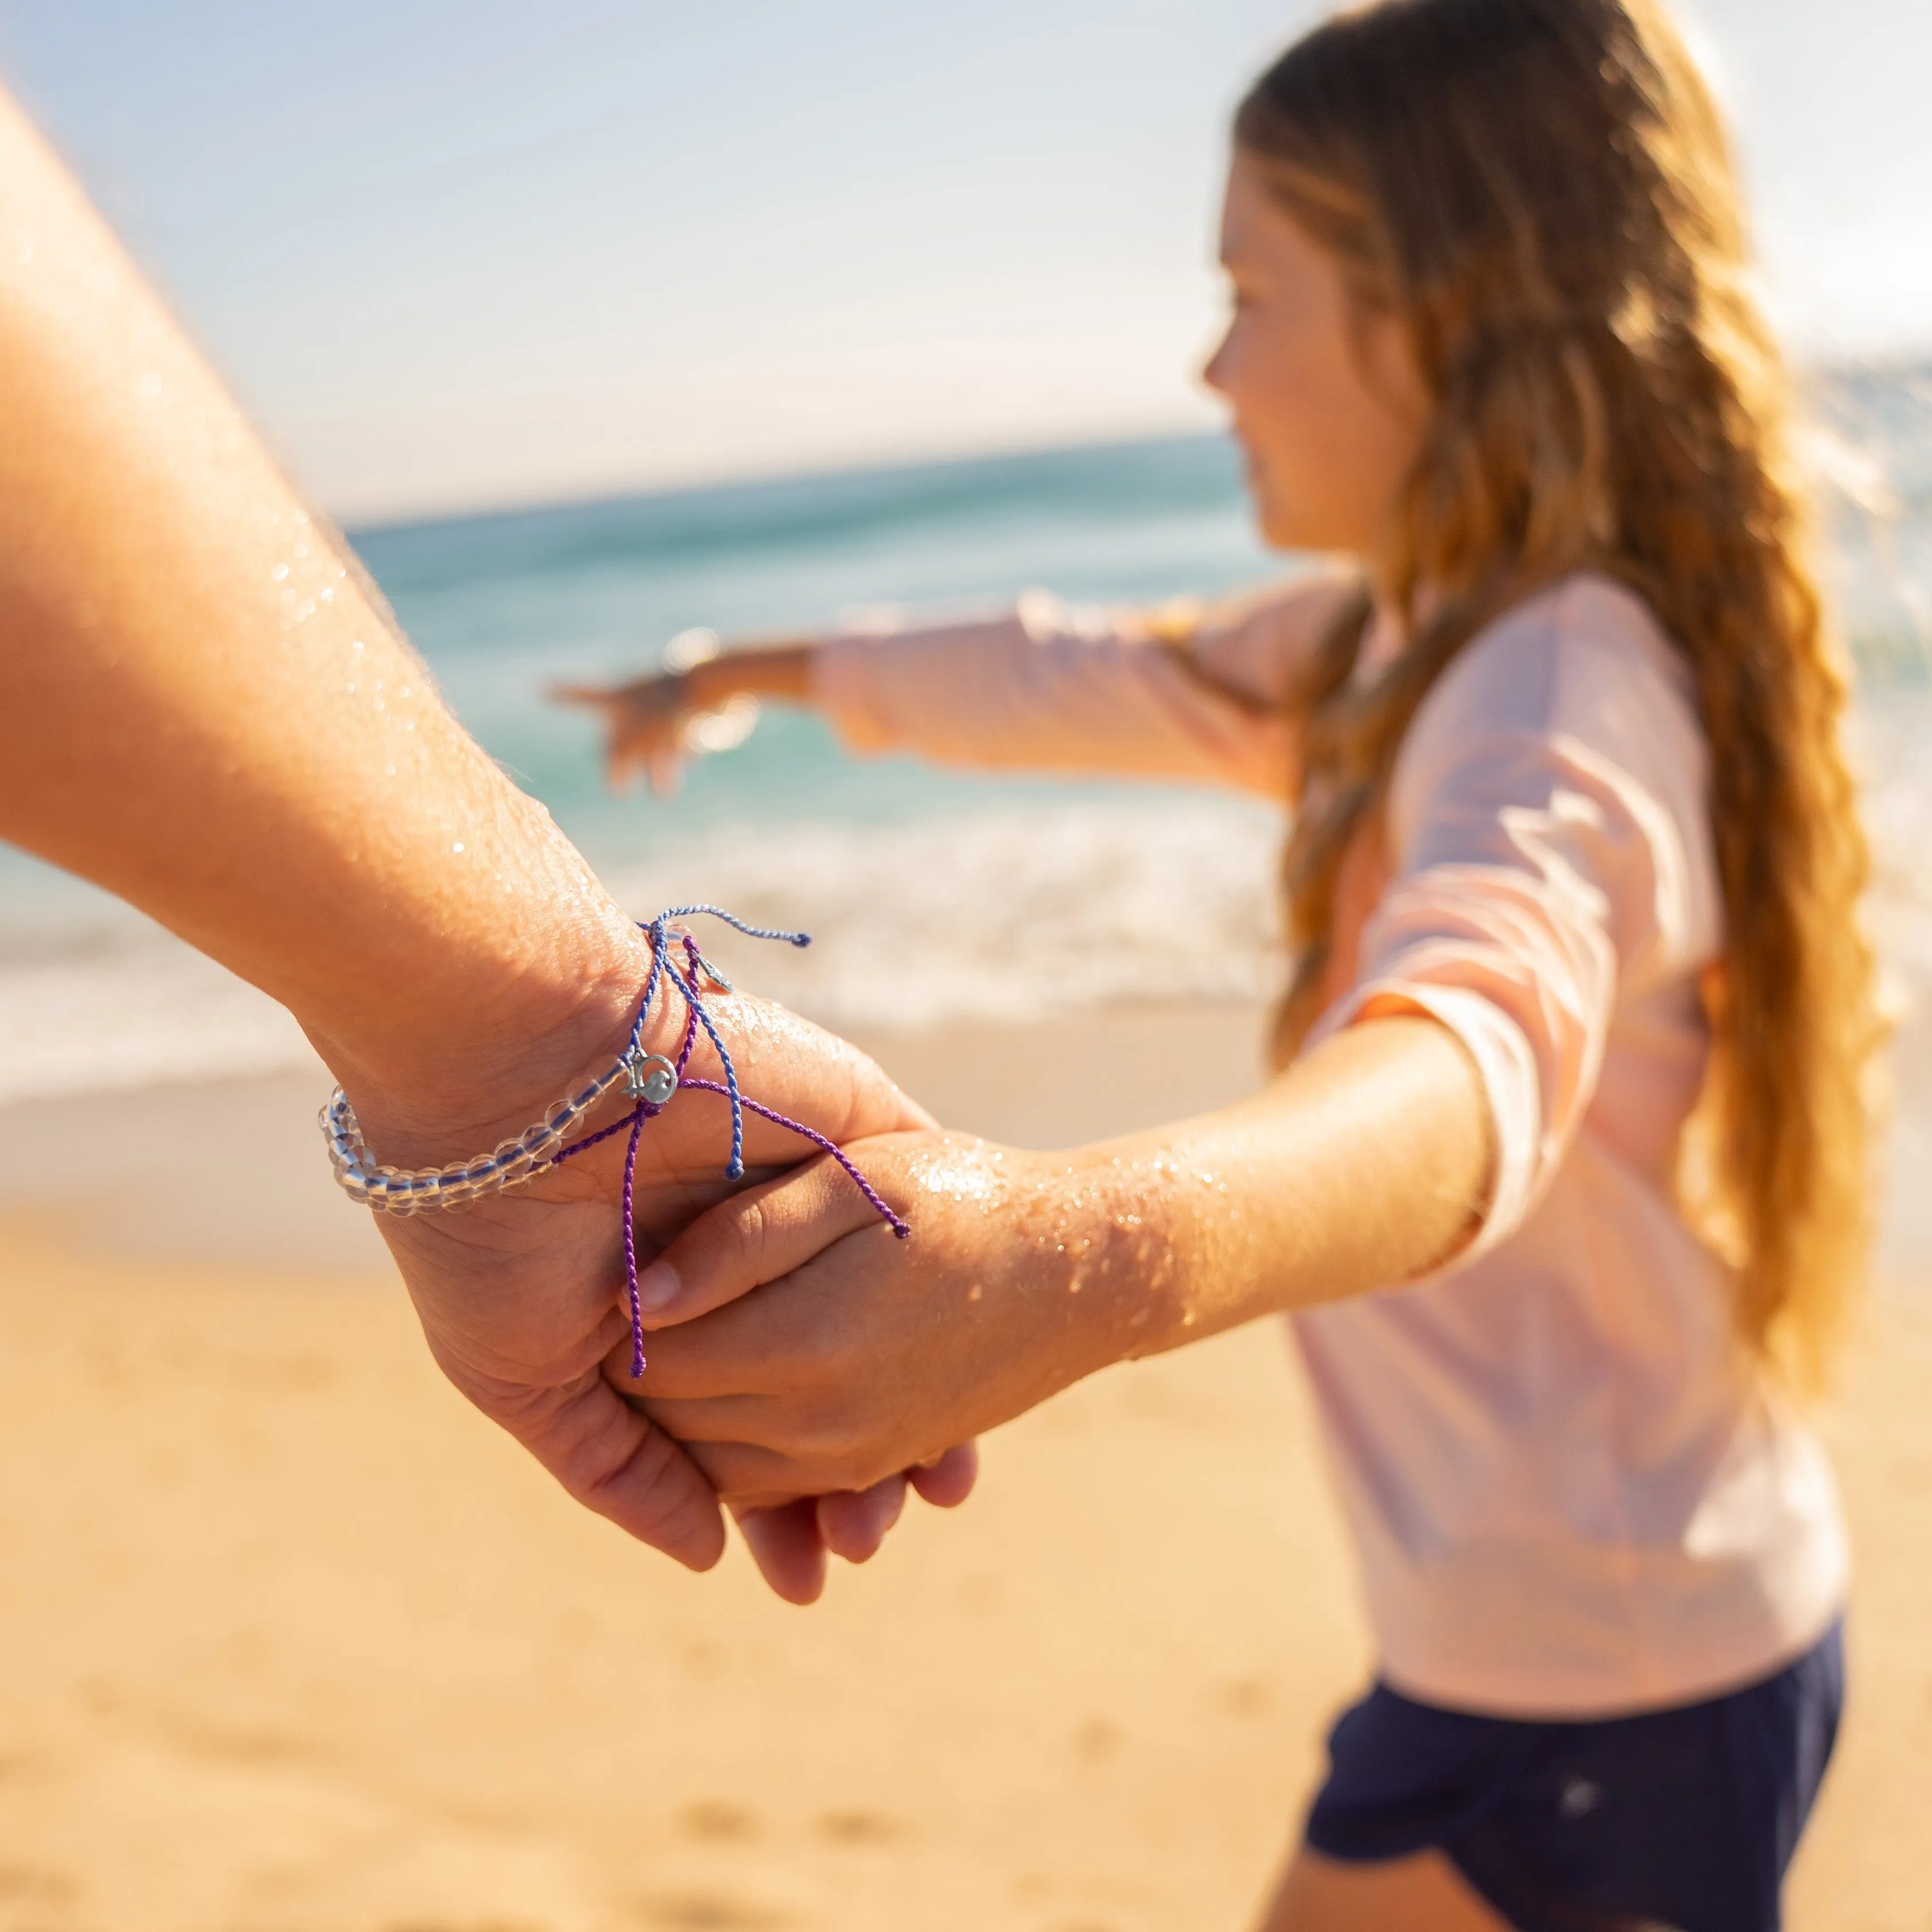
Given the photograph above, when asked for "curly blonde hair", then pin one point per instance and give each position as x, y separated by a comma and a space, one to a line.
1542, 191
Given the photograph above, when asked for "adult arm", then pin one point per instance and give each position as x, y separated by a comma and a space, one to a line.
205, 708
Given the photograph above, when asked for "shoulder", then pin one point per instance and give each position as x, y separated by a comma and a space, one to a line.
1585, 663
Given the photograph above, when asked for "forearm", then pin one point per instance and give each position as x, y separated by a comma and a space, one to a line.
199, 693
1365, 1164
1362, 1167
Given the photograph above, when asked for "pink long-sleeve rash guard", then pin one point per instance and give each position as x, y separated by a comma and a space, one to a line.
1571, 1493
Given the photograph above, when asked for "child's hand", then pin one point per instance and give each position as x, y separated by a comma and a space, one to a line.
801, 1349
645, 723
790, 1541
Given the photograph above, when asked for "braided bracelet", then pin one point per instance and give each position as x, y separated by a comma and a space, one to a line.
651, 1081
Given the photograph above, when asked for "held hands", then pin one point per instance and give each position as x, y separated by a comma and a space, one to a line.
520, 1296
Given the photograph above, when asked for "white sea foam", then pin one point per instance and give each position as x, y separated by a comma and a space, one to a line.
132, 1006
1007, 915
1013, 914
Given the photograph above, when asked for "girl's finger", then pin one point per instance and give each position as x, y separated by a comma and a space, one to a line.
595, 695
620, 765
852, 1523
947, 1481
786, 1545
753, 1238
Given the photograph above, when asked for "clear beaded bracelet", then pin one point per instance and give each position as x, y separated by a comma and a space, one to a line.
651, 1081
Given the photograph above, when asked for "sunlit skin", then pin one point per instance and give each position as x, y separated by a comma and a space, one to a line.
202, 709
801, 1348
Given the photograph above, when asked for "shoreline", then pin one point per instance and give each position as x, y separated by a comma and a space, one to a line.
299, 1642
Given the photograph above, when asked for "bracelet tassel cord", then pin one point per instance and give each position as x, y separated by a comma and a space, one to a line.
651, 1081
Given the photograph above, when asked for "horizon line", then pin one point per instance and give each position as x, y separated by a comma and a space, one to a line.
702, 483
1901, 364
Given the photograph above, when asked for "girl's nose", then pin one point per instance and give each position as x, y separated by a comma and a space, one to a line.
1214, 370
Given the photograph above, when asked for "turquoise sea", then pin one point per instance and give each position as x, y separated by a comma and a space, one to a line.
935, 895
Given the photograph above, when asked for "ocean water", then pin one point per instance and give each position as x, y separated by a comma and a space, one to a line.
935, 896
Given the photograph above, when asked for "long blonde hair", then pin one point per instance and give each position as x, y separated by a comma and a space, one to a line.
1542, 191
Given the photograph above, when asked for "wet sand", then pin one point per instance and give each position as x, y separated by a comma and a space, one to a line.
293, 1639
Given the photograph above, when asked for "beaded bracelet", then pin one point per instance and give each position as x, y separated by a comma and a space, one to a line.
651, 1081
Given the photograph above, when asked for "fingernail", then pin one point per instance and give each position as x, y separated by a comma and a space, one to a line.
658, 1287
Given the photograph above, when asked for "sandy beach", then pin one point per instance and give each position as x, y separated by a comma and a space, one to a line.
293, 1639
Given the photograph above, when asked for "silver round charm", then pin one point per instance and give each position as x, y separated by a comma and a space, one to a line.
650, 1078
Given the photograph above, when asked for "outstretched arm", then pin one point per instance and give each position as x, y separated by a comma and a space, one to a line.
205, 708
1207, 693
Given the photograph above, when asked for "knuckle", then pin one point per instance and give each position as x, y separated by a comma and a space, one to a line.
751, 1227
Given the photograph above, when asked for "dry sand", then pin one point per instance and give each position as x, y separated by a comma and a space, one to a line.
291, 1639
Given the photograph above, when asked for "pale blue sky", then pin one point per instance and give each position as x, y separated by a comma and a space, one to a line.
483, 251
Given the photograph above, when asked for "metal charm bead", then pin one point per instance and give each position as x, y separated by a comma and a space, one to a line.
650, 1078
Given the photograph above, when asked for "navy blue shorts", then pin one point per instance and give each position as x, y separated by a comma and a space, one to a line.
1683, 1818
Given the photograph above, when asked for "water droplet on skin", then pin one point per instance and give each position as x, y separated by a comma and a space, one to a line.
457, 846
357, 644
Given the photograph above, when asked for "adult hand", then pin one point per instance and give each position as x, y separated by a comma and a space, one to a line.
521, 1296
803, 1348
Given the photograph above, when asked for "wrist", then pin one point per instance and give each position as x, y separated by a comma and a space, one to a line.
473, 1065
702, 687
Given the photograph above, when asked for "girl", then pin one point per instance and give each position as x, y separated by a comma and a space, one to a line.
1561, 1177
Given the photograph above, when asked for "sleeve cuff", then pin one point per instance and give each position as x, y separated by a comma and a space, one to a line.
1510, 1083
